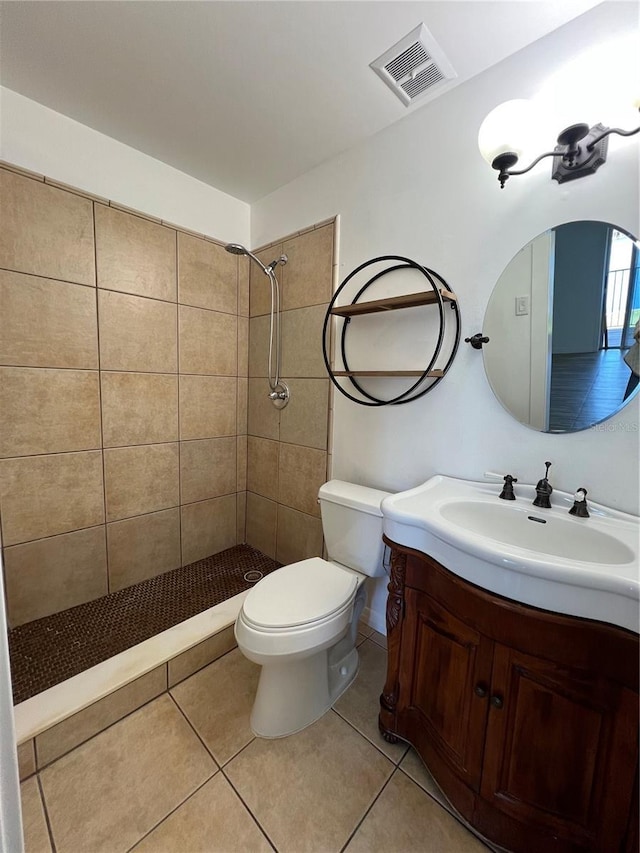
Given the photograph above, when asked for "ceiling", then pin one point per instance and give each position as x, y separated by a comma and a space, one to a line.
245, 96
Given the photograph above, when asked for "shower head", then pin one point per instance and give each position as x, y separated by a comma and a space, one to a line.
238, 249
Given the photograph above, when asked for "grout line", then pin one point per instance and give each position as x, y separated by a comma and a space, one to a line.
47, 277
180, 543
46, 812
368, 739
194, 729
251, 814
168, 815
365, 815
100, 397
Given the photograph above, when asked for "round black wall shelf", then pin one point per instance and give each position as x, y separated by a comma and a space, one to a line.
439, 294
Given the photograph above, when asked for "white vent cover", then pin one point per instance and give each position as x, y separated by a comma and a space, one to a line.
414, 66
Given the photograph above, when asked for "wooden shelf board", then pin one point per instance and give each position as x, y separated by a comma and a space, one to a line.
393, 303
432, 373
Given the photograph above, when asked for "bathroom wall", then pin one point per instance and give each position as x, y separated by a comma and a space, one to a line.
287, 449
123, 353
44, 141
420, 188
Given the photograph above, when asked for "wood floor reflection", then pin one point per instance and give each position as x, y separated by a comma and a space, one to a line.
586, 388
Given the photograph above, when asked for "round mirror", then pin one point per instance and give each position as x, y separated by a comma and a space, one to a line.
563, 323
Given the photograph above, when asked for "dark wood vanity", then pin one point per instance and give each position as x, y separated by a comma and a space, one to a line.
527, 720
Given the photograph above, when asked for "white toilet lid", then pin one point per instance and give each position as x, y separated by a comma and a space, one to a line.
299, 593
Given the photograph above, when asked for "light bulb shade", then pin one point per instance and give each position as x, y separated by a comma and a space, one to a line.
508, 127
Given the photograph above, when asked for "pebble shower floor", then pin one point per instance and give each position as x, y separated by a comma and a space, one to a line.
50, 650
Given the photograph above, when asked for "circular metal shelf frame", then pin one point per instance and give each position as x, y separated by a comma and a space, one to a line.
398, 262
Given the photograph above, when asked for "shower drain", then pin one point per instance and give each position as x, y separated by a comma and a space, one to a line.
253, 576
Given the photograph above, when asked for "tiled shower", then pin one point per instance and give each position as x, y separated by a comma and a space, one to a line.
136, 434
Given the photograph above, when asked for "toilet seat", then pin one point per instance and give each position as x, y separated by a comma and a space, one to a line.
308, 593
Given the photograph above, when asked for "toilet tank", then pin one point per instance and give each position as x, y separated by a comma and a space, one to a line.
352, 525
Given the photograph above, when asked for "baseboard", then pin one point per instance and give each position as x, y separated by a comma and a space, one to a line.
375, 620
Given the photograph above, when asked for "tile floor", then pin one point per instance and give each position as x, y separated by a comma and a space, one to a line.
184, 774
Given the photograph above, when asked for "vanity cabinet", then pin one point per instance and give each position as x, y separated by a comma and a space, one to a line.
528, 720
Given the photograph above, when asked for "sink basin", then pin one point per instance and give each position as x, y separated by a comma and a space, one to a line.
544, 557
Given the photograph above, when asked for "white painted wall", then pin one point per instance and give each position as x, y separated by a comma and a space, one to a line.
47, 142
421, 189
10, 814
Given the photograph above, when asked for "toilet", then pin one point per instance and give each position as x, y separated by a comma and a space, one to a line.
300, 622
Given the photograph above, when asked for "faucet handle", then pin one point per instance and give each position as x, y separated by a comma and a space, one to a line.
507, 493
579, 507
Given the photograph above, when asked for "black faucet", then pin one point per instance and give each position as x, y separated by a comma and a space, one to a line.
543, 490
507, 490
579, 507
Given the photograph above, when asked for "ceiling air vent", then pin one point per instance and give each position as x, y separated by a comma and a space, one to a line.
415, 66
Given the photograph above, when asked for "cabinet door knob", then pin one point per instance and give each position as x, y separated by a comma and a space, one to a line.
497, 701
480, 690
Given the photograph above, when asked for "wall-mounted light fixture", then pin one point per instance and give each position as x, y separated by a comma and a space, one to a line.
507, 132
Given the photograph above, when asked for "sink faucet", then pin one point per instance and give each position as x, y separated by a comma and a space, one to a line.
579, 507
543, 490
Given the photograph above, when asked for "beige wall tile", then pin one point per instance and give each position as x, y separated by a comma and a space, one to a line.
243, 286
242, 463
135, 255
48, 411
261, 524
243, 346
259, 346
299, 536
204, 653
140, 479
241, 519
302, 342
26, 759
304, 420
207, 468
307, 277
207, 406
50, 575
45, 495
156, 762
208, 527
78, 728
47, 323
45, 231
139, 408
301, 472
243, 393
207, 275
262, 467
34, 822
208, 342
263, 418
143, 547
259, 284
137, 333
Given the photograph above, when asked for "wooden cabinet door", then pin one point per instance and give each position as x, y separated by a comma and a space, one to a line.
444, 685
560, 752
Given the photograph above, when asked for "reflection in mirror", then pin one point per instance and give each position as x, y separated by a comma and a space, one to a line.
561, 322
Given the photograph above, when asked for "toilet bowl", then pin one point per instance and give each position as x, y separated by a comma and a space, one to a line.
300, 622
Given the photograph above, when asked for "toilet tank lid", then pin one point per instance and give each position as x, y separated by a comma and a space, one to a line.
351, 495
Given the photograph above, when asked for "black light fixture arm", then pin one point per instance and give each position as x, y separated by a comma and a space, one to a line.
573, 160
617, 130
503, 162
